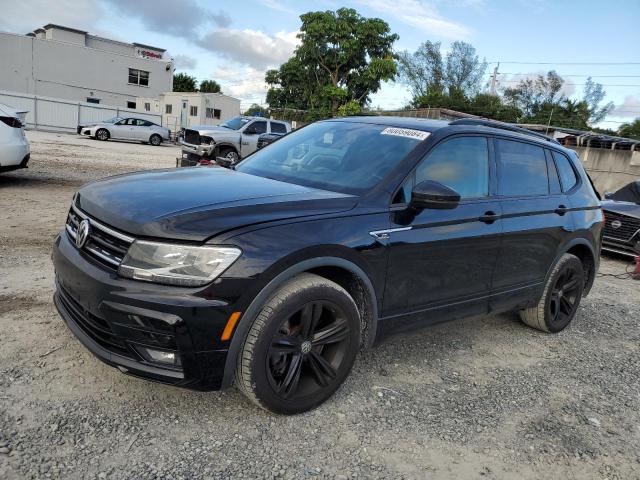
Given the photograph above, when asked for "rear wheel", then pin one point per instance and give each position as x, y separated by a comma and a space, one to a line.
301, 346
155, 140
102, 134
561, 298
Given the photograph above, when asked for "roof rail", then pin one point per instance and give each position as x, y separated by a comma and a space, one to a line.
483, 122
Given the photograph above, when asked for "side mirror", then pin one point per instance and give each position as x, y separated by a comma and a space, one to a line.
430, 194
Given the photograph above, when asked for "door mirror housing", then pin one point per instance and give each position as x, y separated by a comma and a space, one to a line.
434, 195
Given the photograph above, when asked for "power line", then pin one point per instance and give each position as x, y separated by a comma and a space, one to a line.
568, 63
579, 75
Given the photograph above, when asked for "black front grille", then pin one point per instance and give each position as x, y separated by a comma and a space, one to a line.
192, 137
103, 244
95, 327
628, 226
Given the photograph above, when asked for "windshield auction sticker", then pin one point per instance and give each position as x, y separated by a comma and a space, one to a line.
405, 132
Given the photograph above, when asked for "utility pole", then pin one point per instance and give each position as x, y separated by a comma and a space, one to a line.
494, 79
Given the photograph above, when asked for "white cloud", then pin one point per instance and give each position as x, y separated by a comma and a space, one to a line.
246, 83
251, 47
420, 15
629, 108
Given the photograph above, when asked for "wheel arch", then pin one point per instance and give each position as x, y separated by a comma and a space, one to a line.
339, 270
583, 249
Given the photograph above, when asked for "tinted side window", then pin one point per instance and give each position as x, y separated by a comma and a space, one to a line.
523, 168
259, 127
461, 163
565, 170
278, 127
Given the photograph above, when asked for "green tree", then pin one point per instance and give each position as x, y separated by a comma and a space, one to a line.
343, 57
210, 86
426, 73
534, 94
630, 130
184, 83
257, 110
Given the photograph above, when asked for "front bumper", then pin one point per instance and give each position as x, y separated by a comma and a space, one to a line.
114, 317
200, 150
630, 247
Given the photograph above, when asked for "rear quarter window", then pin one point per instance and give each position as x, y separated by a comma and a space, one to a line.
278, 127
567, 174
522, 168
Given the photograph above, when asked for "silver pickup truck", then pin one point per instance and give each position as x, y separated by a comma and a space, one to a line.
234, 139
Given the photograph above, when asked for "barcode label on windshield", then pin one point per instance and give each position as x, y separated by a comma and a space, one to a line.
406, 132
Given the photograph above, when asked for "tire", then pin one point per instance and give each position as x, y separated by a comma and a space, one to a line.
282, 366
102, 134
155, 140
561, 297
230, 154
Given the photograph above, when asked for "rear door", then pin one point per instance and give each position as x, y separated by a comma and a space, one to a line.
442, 261
536, 220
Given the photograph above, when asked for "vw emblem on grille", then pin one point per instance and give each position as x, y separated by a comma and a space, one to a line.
616, 224
83, 233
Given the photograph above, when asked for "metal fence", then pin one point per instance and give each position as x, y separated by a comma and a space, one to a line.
46, 113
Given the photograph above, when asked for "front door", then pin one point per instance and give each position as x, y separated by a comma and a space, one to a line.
249, 138
121, 129
441, 262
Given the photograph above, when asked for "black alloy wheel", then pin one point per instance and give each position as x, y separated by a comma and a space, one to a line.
565, 297
307, 351
300, 347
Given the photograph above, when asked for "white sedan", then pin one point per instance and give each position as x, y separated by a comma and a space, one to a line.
14, 147
136, 129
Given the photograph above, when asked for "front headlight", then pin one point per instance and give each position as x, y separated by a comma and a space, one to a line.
181, 265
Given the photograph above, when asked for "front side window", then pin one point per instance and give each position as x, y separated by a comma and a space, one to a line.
522, 168
346, 157
568, 177
258, 127
461, 163
193, 110
138, 77
277, 127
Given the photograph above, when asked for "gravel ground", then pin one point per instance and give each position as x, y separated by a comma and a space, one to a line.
479, 398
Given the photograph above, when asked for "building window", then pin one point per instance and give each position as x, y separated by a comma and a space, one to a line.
168, 108
147, 106
212, 113
216, 113
138, 77
93, 100
193, 111
131, 105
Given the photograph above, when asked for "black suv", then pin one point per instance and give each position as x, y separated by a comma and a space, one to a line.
274, 274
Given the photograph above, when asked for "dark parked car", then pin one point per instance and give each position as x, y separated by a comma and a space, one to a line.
267, 138
622, 225
275, 273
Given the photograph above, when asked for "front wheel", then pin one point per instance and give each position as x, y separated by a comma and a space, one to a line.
561, 297
102, 134
155, 140
231, 155
301, 346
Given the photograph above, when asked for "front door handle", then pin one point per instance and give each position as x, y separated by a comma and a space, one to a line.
489, 217
561, 210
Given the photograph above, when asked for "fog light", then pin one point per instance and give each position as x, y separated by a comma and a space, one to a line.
159, 356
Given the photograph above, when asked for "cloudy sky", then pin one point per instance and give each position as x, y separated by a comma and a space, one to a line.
234, 42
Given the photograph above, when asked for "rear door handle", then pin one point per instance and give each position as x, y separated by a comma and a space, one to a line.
489, 217
561, 210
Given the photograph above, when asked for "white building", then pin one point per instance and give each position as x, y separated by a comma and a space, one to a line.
61, 62
184, 109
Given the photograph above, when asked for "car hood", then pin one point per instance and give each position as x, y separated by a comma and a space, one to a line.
211, 129
625, 208
194, 204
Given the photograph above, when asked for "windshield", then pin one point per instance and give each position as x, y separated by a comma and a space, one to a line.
235, 123
338, 156
112, 120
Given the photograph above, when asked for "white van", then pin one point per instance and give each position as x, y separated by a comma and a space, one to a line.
14, 147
